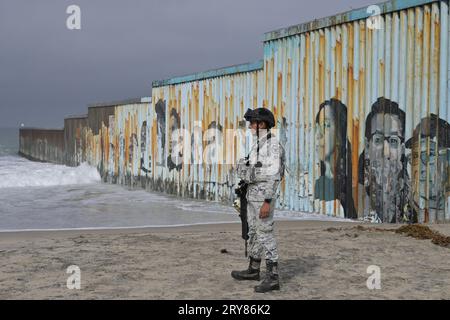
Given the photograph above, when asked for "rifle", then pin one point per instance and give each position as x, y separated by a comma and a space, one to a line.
241, 206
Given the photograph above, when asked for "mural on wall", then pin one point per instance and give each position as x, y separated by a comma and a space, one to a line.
175, 158
206, 109
121, 151
133, 146
160, 109
382, 165
389, 79
283, 131
111, 146
132, 121
332, 150
428, 164
213, 156
143, 167
196, 145
214, 142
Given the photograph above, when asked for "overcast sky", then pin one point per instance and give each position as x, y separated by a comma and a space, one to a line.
48, 72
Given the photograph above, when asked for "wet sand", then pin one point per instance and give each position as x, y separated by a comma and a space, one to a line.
318, 260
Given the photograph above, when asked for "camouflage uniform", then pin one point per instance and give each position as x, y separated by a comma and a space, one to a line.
263, 183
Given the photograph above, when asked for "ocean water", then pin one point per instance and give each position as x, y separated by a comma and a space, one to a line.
42, 196
9, 141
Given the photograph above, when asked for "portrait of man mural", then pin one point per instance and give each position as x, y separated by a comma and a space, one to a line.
429, 166
112, 149
145, 169
213, 156
132, 151
160, 109
382, 165
121, 156
214, 144
175, 158
333, 154
196, 142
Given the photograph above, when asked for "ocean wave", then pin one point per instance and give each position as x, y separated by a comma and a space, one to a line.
17, 172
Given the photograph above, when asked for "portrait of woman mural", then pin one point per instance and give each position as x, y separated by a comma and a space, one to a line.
333, 158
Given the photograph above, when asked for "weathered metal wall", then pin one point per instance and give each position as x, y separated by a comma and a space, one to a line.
74, 136
109, 138
363, 111
97, 136
129, 161
366, 112
45, 145
205, 106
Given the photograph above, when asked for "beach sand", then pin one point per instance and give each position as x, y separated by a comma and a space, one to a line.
318, 260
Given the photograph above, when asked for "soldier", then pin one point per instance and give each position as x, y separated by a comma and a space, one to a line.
262, 170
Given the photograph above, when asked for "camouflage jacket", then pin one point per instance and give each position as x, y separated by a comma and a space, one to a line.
263, 172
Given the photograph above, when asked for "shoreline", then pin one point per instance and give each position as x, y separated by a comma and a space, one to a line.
200, 227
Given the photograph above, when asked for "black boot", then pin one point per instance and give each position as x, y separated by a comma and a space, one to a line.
271, 282
252, 273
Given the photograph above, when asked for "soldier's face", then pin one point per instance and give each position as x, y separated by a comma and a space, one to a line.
253, 126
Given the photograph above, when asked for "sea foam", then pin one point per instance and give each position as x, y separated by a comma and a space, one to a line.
18, 172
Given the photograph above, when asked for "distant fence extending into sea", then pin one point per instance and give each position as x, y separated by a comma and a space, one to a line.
46, 145
362, 107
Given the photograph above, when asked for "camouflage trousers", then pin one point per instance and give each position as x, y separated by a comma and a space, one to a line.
261, 241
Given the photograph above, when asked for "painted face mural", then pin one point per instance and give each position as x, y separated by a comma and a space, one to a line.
283, 131
196, 144
384, 172
429, 166
143, 138
111, 145
160, 109
144, 167
175, 158
332, 147
213, 138
132, 148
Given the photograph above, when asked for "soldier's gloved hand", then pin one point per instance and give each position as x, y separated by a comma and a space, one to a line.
264, 211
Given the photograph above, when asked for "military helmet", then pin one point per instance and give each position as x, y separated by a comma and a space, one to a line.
261, 114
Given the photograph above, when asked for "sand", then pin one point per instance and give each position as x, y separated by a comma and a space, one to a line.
318, 260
